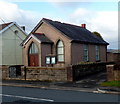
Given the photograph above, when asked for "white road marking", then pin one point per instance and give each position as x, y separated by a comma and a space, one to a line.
25, 97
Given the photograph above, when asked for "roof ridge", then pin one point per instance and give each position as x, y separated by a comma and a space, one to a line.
62, 22
6, 23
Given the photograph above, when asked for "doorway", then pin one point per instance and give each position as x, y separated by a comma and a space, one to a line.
33, 55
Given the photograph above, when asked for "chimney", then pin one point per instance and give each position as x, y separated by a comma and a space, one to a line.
23, 27
83, 25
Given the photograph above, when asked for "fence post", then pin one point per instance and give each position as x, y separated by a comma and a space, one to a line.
110, 72
25, 71
70, 74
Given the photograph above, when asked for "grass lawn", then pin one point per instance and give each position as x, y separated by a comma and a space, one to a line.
111, 84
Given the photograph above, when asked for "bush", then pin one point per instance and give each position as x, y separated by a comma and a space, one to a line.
88, 68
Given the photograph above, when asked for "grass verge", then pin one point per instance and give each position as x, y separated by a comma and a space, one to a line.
111, 84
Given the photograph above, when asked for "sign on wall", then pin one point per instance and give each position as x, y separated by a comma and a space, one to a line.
50, 60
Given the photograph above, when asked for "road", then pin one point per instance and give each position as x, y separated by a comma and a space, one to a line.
24, 94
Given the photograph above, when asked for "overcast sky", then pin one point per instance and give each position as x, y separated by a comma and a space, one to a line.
98, 16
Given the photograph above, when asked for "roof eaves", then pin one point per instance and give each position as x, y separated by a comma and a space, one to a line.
7, 27
20, 29
10, 25
37, 26
83, 42
28, 38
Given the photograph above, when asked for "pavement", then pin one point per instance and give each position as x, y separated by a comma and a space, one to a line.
87, 84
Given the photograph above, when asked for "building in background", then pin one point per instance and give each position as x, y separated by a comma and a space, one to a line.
113, 55
11, 36
52, 43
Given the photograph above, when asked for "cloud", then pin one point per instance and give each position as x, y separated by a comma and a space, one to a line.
11, 12
104, 22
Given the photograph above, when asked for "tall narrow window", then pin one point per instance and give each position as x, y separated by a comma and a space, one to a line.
85, 57
33, 49
60, 51
97, 49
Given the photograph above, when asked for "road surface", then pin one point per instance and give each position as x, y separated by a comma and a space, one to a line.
24, 94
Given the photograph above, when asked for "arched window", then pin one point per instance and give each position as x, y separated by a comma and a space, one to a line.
33, 49
60, 51
33, 55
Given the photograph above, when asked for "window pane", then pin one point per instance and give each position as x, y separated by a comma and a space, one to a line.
97, 52
47, 60
33, 48
60, 44
53, 60
85, 53
85, 47
60, 51
60, 58
85, 57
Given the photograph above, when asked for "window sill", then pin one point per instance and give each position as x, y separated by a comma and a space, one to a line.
61, 62
98, 60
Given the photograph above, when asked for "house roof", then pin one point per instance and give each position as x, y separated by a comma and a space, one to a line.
6, 26
42, 38
113, 50
73, 32
2, 26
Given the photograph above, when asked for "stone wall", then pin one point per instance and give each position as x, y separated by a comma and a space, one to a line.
38, 73
46, 74
113, 72
4, 72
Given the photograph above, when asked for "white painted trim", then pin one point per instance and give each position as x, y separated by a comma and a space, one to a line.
36, 39
31, 36
10, 25
7, 27
21, 29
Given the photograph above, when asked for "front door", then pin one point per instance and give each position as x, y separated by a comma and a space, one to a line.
33, 56
33, 60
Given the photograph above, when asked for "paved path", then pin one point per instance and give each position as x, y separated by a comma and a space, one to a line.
22, 94
87, 84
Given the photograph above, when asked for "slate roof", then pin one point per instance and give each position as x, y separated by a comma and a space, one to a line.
42, 38
76, 33
2, 26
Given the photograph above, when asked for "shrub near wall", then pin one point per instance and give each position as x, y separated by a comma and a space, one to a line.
82, 70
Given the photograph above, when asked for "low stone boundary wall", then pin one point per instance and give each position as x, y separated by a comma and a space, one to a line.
4, 72
71, 73
38, 73
113, 72
46, 74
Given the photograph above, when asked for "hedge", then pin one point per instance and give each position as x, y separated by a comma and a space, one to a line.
81, 70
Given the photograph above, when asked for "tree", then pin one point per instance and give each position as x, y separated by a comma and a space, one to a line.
97, 34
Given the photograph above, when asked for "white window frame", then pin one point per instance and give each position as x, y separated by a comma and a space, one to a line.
62, 54
85, 53
97, 51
